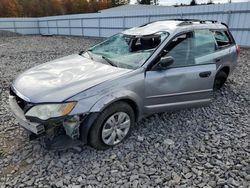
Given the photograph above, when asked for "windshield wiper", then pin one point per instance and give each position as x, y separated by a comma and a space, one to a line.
109, 61
88, 52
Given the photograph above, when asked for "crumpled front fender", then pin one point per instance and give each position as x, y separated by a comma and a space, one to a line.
113, 97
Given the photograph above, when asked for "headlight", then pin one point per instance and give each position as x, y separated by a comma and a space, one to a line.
46, 111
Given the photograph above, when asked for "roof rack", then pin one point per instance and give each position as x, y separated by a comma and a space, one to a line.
186, 21
191, 21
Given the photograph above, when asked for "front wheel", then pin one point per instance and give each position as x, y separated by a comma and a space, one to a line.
112, 126
220, 80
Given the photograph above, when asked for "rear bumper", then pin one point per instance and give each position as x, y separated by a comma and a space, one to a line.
35, 128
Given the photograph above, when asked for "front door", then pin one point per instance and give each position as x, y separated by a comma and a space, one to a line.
189, 80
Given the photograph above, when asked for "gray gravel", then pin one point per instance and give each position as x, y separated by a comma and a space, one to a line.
8, 34
202, 147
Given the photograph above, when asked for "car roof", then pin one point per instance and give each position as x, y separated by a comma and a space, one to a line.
172, 26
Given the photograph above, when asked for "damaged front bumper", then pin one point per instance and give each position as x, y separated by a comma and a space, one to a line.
49, 129
35, 128
71, 124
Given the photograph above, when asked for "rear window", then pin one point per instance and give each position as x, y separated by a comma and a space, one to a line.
222, 38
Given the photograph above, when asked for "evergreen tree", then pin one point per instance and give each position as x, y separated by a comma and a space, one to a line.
144, 2
193, 2
210, 2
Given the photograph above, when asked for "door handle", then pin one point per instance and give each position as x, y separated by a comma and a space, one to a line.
205, 74
217, 60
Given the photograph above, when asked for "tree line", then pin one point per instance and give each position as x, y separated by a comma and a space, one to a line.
38, 8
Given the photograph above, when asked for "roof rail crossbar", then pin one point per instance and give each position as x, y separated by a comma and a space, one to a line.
185, 21
180, 19
190, 21
213, 21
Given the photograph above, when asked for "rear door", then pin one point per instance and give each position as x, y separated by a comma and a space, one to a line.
189, 80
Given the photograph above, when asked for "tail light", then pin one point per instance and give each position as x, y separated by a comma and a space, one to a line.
238, 49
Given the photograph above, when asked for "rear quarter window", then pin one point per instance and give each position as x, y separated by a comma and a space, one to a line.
222, 38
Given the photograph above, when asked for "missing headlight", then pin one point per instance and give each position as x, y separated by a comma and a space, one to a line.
71, 127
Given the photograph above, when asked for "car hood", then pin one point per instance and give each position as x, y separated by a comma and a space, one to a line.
60, 79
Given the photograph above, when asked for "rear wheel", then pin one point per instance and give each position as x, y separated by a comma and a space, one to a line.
220, 80
112, 126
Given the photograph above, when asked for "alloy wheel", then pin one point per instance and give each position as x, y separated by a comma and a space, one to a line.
116, 128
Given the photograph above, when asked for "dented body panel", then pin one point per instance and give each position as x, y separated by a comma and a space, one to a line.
127, 87
178, 88
93, 85
57, 80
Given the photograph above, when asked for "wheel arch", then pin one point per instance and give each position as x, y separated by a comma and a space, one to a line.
225, 69
131, 103
129, 97
109, 100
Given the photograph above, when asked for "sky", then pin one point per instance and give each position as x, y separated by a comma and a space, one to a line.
173, 2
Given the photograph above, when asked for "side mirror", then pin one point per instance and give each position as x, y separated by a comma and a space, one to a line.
165, 62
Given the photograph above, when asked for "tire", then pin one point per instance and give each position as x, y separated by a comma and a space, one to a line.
104, 125
220, 80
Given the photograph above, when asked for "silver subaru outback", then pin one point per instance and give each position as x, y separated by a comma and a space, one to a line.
96, 96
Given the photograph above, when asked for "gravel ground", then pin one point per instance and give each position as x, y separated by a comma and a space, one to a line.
202, 147
8, 34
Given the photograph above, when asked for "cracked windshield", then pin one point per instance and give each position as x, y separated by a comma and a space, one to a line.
127, 51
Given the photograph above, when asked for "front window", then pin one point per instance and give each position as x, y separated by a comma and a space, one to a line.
126, 51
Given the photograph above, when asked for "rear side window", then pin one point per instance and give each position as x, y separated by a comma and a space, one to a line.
222, 38
204, 43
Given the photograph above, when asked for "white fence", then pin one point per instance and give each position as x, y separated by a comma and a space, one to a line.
20, 25
111, 21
